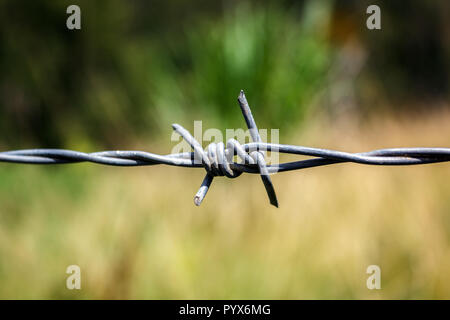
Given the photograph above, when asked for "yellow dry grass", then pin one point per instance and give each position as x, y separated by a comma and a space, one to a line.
136, 233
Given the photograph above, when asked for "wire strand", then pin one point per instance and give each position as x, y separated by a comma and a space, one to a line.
217, 160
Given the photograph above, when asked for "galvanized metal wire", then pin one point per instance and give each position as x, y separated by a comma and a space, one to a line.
217, 159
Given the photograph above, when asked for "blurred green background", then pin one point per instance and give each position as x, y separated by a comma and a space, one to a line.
310, 68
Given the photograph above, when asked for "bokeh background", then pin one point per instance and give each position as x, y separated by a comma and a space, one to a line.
309, 68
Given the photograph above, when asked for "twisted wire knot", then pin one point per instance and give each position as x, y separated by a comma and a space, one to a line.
216, 159
219, 160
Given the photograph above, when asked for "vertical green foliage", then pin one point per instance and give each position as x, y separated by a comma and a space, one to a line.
279, 57
124, 75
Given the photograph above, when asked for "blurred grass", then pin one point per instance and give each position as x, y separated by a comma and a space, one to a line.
135, 232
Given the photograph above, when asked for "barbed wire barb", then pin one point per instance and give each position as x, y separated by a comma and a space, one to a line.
217, 158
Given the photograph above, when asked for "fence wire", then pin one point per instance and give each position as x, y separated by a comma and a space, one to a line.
217, 159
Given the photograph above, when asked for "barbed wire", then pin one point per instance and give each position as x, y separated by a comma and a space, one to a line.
217, 159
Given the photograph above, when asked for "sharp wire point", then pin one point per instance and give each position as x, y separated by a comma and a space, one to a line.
197, 201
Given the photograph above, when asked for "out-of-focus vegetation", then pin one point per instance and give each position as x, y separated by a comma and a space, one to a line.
119, 75
135, 233
137, 66
310, 68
